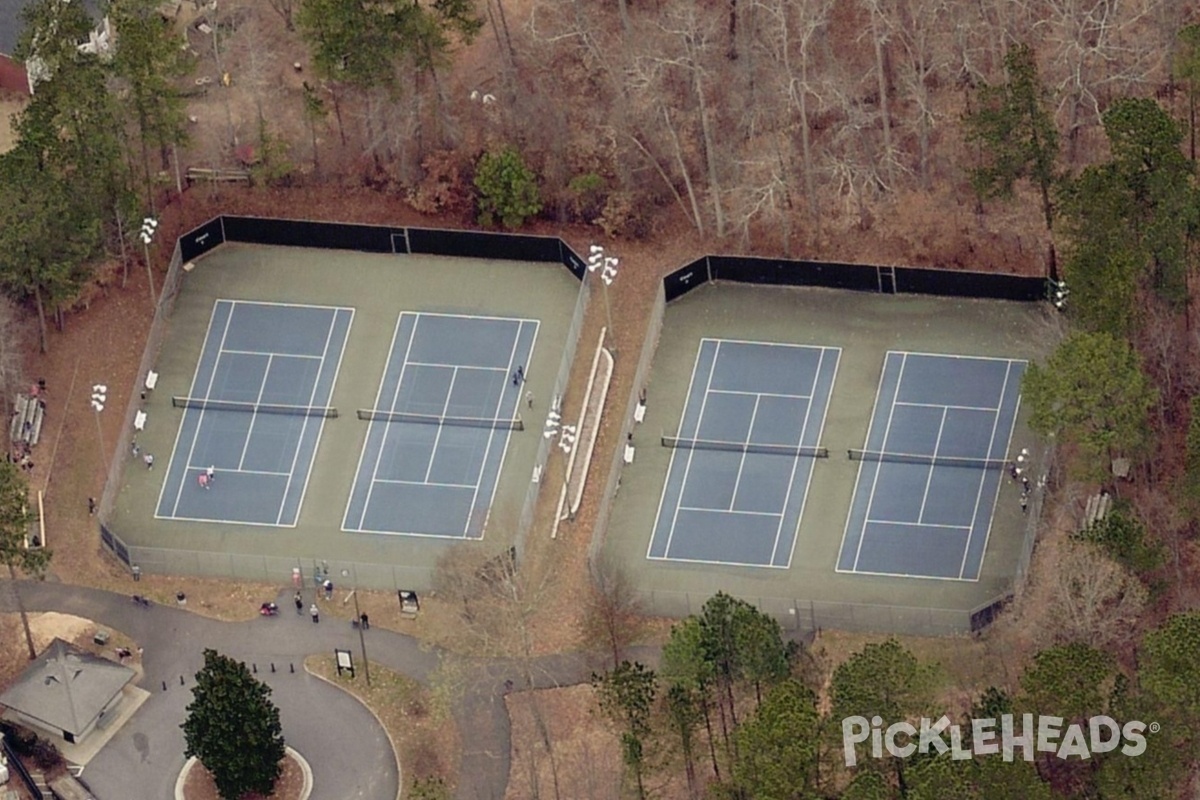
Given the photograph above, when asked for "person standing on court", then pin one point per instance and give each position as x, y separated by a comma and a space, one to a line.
315, 613
299, 601
210, 473
149, 459
328, 589
202, 479
519, 375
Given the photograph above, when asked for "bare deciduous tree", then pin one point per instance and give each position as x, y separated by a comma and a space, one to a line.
1096, 600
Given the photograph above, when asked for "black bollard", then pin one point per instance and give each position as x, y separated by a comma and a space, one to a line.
254, 668
272, 666
292, 668
164, 686
181, 680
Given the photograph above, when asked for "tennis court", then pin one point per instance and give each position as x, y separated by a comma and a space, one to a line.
447, 404
751, 429
254, 413
932, 466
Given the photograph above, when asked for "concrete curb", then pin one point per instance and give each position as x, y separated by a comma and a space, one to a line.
386, 732
305, 770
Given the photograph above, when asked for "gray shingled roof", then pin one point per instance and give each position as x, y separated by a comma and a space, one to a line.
11, 25
66, 687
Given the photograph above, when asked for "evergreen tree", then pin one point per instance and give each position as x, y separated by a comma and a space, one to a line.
233, 728
626, 695
508, 189
15, 519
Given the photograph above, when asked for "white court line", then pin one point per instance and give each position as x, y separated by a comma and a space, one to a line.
883, 447
362, 454
465, 316
207, 393
427, 483
983, 477
512, 355
224, 521
730, 511
284, 305
937, 445
688, 466
312, 395
437, 437
911, 524
453, 366
761, 344
713, 562
944, 405
787, 497
179, 431
741, 464
254, 417
662, 498
874, 574
240, 471
392, 406
268, 353
949, 355
763, 394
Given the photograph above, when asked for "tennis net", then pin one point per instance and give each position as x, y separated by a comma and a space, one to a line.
210, 404
795, 451
933, 461
375, 415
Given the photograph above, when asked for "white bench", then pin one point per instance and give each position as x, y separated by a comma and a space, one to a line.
151, 380
639, 413
629, 451
139, 421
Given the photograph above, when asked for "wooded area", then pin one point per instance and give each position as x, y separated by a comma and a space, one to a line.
1047, 137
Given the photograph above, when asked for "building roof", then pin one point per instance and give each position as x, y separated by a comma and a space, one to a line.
66, 688
11, 24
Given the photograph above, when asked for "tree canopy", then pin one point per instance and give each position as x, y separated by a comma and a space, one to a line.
233, 728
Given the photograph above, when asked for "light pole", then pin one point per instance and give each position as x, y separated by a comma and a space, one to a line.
362, 640
149, 226
607, 265
99, 398
566, 442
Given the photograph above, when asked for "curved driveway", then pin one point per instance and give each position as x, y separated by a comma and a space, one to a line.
346, 747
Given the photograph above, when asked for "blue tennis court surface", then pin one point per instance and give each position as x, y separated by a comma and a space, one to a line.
723, 502
261, 355
932, 519
437, 477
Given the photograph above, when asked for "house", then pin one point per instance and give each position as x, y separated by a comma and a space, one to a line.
67, 692
20, 76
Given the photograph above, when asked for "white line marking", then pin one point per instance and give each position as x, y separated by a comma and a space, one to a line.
512, 355
454, 366
241, 471
951, 355
996, 495
437, 437
179, 431
911, 524
466, 316
742, 463
763, 394
688, 466
207, 393
687, 398
763, 344
427, 483
312, 396
284, 305
254, 417
983, 477
713, 562
412, 337
730, 511
944, 405
269, 353
787, 497
873, 574
937, 445
362, 455
882, 446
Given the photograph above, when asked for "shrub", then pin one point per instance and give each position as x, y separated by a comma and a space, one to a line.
508, 189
